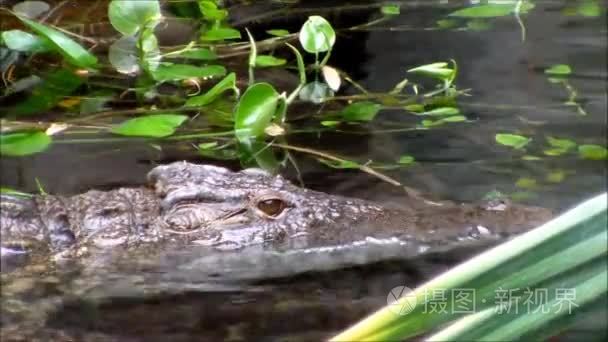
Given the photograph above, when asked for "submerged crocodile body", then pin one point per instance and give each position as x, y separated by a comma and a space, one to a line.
188, 204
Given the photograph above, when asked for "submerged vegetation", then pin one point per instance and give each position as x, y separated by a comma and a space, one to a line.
214, 90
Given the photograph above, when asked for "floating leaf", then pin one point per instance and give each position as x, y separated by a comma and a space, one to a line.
71, 50
559, 70
221, 33
268, 61
526, 183
405, 159
512, 140
23, 143
227, 83
315, 92
442, 111
131, 16
554, 152
158, 125
360, 111
531, 157
589, 9
255, 110
390, 9
330, 123
317, 35
22, 41
46, 95
278, 33
593, 152
556, 176
565, 144
484, 11
175, 72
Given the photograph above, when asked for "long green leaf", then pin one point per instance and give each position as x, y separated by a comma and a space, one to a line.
548, 256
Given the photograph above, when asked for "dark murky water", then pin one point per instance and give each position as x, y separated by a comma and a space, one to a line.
509, 93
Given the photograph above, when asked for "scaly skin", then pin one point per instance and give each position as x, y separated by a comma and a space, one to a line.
190, 204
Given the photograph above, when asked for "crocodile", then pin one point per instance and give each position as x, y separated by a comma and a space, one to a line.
94, 266
205, 205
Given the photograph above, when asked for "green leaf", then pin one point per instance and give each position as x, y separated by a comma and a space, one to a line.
227, 83
49, 93
22, 41
564, 144
268, 61
157, 125
589, 9
438, 70
390, 9
255, 110
196, 53
256, 153
149, 55
566, 253
360, 111
441, 111
68, 48
23, 143
317, 35
559, 70
526, 183
278, 33
330, 123
405, 159
175, 72
553, 152
512, 140
13, 192
455, 118
131, 16
593, 152
484, 11
220, 33
211, 12
556, 176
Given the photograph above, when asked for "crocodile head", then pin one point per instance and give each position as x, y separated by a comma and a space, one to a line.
210, 204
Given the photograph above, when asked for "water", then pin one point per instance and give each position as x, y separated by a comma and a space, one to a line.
510, 93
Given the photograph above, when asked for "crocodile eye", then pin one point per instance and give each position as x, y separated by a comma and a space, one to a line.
272, 207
